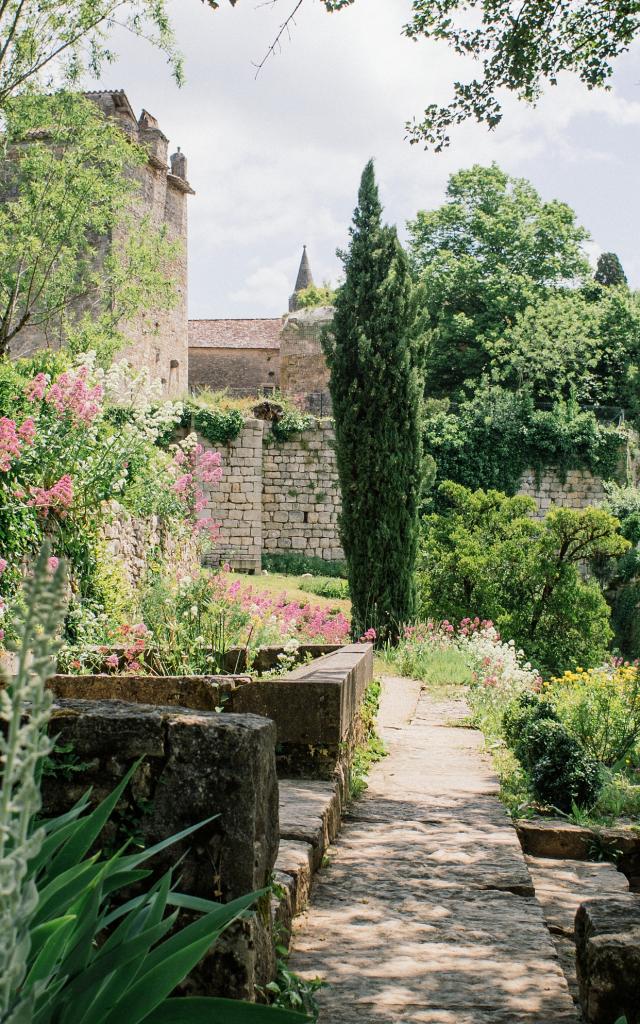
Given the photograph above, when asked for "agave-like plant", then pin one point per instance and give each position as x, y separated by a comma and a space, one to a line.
73, 949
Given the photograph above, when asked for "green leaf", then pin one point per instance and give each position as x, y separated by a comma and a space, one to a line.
63, 890
60, 929
170, 963
200, 1010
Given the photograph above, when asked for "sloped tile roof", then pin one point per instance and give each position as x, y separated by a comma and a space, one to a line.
236, 333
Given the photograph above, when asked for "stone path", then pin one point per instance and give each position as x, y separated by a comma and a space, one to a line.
426, 912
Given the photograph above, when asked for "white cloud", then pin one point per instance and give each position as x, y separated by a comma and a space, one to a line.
276, 160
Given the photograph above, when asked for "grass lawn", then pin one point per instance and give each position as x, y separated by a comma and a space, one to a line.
278, 583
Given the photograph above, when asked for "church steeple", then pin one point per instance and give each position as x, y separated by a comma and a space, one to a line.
303, 280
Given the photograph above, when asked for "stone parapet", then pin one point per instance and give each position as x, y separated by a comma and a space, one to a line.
316, 710
196, 764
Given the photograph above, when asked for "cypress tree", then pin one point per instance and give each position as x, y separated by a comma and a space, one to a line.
609, 270
376, 383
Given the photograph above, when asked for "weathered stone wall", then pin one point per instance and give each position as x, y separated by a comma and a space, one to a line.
131, 541
579, 489
285, 497
243, 369
236, 502
303, 367
276, 497
301, 495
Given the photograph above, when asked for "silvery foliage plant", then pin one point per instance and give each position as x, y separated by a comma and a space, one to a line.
23, 745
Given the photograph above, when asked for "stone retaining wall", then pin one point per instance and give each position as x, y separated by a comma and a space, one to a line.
132, 540
285, 497
579, 489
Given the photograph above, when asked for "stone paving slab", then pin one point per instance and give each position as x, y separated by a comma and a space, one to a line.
419, 916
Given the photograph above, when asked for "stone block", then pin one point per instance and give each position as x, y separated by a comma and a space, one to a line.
607, 933
197, 765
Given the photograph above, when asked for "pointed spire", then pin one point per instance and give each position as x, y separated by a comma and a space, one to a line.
303, 280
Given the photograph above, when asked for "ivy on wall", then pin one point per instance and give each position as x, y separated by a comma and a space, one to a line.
489, 440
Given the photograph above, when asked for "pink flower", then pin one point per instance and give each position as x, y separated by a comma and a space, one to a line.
36, 388
10, 443
182, 483
70, 393
3, 565
112, 661
53, 563
368, 636
58, 496
27, 431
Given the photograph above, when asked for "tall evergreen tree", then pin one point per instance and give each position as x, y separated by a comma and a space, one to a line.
609, 270
375, 360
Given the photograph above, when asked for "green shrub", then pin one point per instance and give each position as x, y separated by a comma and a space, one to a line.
521, 712
483, 555
290, 563
561, 772
326, 586
601, 708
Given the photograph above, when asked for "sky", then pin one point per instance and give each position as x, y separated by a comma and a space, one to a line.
276, 159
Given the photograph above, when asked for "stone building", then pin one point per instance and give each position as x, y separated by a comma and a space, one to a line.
158, 341
254, 356
241, 355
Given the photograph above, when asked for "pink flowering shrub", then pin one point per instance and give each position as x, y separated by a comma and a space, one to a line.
192, 467
74, 438
193, 620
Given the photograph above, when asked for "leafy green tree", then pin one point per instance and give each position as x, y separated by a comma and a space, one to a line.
520, 48
493, 249
46, 41
315, 295
68, 181
485, 555
609, 270
375, 361
568, 345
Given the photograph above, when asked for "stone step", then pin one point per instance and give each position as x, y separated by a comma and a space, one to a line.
561, 885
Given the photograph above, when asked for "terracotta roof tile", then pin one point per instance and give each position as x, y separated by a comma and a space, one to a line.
236, 333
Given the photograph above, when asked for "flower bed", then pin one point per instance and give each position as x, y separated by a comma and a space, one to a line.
571, 743
205, 622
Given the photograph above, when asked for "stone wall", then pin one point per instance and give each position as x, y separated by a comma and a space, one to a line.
284, 497
276, 497
130, 541
242, 369
579, 489
301, 495
303, 367
236, 502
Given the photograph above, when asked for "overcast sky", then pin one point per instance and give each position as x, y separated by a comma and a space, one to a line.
275, 161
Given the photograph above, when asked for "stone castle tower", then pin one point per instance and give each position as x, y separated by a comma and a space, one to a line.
158, 342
